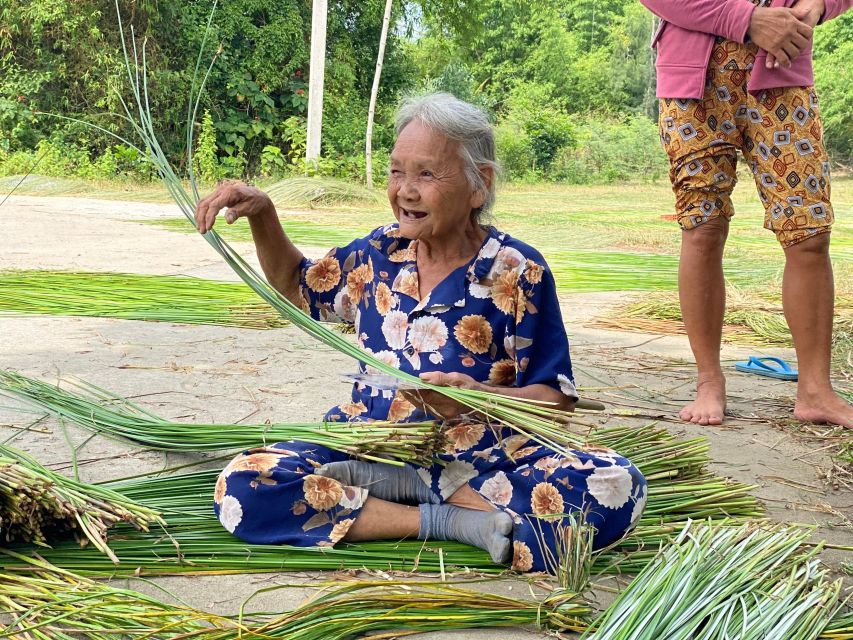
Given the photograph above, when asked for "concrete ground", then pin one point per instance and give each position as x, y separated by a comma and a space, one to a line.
226, 375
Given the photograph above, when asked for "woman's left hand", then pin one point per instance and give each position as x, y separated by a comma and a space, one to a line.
437, 403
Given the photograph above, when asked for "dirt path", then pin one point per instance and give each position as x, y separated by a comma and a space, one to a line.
220, 374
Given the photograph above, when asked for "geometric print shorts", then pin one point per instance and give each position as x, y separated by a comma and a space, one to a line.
779, 133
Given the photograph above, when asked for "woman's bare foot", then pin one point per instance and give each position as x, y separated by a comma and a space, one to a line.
824, 407
710, 403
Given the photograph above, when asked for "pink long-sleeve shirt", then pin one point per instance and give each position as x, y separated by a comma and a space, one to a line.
686, 37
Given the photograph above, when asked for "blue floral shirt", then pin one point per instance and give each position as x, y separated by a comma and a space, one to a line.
496, 319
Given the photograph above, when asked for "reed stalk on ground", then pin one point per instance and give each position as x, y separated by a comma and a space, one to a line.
38, 505
47, 602
111, 415
177, 299
717, 583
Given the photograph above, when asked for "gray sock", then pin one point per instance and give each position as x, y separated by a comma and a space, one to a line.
384, 481
489, 530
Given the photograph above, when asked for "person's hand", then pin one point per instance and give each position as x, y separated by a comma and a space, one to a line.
808, 11
780, 32
237, 199
438, 404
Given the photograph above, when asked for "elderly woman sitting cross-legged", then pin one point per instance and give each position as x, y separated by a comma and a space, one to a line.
439, 295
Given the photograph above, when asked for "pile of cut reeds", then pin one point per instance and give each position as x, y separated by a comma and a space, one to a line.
47, 602
750, 318
36, 505
756, 581
679, 489
177, 299
301, 232
112, 415
311, 191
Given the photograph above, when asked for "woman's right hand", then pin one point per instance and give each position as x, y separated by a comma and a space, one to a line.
237, 199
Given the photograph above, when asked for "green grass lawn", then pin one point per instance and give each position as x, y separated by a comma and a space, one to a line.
600, 237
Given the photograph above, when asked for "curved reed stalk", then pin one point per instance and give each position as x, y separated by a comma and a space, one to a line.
111, 415
49, 603
716, 583
178, 299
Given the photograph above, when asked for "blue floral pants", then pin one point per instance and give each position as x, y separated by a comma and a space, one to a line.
272, 496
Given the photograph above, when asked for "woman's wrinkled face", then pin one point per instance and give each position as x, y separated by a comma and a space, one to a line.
427, 187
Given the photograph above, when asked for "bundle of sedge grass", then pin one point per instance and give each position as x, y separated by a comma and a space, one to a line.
311, 191
720, 583
679, 489
47, 602
751, 318
178, 299
539, 422
37, 504
112, 415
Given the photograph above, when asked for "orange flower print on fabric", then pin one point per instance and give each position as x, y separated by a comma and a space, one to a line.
474, 333
403, 255
353, 409
324, 275
546, 499
221, 487
384, 299
504, 292
259, 462
321, 493
356, 281
522, 558
466, 435
340, 530
400, 408
533, 272
407, 284
502, 373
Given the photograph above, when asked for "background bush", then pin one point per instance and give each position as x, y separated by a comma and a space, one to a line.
568, 83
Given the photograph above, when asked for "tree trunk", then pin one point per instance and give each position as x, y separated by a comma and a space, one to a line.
316, 72
374, 92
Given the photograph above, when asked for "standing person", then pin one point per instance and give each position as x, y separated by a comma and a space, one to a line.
736, 75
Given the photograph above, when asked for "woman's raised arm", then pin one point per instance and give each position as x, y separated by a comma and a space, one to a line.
279, 257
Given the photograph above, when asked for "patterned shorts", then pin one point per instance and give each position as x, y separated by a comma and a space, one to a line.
779, 133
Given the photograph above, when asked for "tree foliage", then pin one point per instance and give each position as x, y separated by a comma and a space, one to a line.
550, 72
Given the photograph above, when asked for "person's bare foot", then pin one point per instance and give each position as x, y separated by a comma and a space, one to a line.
824, 407
710, 403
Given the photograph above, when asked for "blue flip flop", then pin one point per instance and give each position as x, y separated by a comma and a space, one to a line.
759, 367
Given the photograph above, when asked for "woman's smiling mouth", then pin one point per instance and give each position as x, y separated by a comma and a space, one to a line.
412, 215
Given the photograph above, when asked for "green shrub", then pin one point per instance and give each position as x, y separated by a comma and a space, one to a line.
610, 149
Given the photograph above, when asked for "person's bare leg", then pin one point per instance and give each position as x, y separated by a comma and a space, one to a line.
702, 292
383, 520
808, 298
466, 497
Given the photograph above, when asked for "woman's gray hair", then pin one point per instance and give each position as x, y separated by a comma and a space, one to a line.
466, 125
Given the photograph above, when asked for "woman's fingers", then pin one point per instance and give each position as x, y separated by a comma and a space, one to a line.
228, 194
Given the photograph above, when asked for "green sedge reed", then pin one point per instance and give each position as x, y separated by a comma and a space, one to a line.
302, 190
652, 449
47, 602
751, 318
537, 421
717, 583
111, 415
178, 299
36, 505
194, 541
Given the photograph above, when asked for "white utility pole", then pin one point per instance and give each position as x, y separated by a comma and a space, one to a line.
316, 72
371, 110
